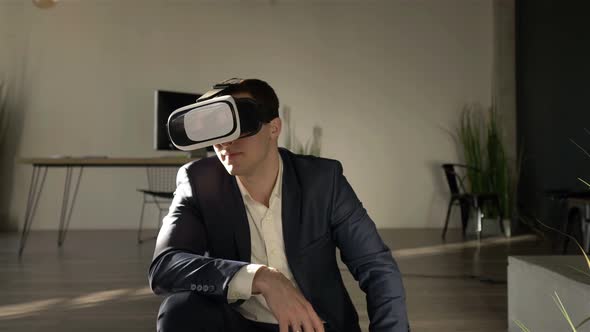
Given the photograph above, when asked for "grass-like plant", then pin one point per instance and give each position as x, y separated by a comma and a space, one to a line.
471, 138
484, 148
501, 180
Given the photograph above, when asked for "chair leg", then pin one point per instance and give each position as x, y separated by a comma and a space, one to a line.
139, 240
161, 208
159, 221
153, 237
449, 209
465, 211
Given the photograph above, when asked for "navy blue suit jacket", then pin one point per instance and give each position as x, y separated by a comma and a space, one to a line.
205, 240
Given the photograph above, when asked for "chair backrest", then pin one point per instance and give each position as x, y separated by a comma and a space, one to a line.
162, 178
453, 179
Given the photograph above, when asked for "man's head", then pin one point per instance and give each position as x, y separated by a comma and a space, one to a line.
247, 154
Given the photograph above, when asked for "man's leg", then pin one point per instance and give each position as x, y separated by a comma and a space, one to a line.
192, 312
265, 327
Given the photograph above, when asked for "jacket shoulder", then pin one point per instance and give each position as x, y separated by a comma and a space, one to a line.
204, 164
312, 165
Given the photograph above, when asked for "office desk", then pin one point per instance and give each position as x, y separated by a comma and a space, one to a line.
72, 164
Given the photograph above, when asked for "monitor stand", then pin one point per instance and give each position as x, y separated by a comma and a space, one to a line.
200, 153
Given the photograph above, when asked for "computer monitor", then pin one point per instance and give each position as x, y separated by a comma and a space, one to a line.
165, 103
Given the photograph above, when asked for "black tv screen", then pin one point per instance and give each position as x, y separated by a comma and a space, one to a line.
165, 103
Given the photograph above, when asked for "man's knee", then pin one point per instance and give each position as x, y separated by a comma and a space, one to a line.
188, 311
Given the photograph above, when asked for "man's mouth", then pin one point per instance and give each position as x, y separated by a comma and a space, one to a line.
232, 154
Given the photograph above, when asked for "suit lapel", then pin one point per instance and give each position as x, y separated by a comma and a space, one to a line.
291, 207
240, 226
223, 210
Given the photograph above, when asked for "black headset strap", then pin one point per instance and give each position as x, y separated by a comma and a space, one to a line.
219, 87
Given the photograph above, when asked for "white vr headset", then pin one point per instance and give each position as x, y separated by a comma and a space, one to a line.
215, 118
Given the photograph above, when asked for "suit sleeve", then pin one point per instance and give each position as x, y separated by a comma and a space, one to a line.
368, 259
181, 259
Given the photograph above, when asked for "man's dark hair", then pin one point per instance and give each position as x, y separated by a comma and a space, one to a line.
264, 95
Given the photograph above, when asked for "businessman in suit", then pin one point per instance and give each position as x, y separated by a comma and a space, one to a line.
249, 243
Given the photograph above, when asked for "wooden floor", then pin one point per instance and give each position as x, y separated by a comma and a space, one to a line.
98, 281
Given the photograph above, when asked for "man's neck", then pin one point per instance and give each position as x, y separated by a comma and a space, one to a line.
261, 183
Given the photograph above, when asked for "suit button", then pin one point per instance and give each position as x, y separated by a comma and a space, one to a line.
199, 288
205, 288
193, 287
211, 288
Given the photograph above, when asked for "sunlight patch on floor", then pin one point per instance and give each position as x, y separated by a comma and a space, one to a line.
454, 247
18, 310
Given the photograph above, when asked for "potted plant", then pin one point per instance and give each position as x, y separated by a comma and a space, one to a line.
483, 147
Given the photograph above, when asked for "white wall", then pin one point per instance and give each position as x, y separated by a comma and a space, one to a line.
382, 78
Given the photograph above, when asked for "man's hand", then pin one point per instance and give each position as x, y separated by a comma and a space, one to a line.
286, 302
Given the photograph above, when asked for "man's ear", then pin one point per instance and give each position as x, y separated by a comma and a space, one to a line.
275, 127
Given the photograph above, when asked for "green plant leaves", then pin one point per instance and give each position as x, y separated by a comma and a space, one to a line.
561, 307
521, 325
484, 149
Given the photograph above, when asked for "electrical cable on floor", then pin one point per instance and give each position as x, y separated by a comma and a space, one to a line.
489, 280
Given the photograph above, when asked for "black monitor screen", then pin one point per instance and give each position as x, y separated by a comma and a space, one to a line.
167, 102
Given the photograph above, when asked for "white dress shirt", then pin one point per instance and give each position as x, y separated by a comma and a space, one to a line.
268, 248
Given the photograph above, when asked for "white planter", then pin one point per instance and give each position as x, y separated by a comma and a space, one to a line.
489, 227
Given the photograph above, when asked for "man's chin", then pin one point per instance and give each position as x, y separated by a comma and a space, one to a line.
232, 169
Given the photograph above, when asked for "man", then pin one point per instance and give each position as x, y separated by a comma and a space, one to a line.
249, 243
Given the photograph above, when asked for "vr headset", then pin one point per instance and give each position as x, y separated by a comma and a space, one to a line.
216, 118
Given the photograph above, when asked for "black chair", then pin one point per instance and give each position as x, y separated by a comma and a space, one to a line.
468, 200
577, 204
160, 191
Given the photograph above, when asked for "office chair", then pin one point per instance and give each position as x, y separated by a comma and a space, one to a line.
160, 191
468, 200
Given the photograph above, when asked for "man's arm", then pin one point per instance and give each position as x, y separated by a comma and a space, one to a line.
181, 261
368, 259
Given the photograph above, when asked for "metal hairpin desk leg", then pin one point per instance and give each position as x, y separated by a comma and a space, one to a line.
586, 227
35, 189
66, 205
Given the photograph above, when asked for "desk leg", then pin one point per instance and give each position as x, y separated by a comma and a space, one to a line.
586, 228
35, 189
66, 206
